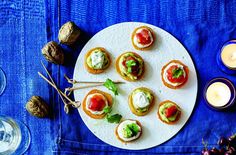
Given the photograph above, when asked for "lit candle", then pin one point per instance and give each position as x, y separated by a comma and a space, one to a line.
219, 93
228, 54
226, 58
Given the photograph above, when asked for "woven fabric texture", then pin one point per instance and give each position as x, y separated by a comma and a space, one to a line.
201, 26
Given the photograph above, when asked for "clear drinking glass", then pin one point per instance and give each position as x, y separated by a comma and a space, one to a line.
14, 136
3, 81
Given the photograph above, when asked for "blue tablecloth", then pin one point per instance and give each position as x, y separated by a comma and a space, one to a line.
201, 26
22, 34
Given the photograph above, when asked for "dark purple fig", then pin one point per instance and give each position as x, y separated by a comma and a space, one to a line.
222, 151
203, 151
228, 153
214, 151
223, 142
232, 150
206, 152
232, 138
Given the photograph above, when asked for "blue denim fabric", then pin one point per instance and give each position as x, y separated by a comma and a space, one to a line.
22, 35
201, 26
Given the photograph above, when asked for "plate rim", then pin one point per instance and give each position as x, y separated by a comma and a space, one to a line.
195, 99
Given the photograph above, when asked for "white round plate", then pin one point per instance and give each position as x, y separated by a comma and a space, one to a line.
117, 40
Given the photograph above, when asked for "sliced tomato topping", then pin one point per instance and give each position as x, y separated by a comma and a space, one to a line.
144, 37
97, 103
127, 59
171, 111
173, 76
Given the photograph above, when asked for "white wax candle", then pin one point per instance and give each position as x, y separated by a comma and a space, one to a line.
218, 94
228, 55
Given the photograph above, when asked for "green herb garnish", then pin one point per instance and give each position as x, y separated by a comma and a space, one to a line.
142, 109
129, 70
115, 118
134, 127
109, 84
129, 64
177, 72
131, 130
107, 109
127, 132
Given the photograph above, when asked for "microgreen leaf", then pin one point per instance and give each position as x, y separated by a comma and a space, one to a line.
131, 130
109, 84
107, 109
134, 128
129, 64
127, 132
177, 72
129, 69
115, 118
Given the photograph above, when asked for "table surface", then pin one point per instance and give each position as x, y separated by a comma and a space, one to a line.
25, 26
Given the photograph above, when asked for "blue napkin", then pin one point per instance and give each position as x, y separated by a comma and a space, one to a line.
22, 35
201, 26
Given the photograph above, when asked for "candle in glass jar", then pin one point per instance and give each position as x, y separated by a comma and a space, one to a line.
220, 94
228, 55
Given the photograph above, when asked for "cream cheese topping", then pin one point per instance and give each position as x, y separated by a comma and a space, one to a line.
218, 94
140, 100
165, 73
97, 59
88, 101
135, 39
122, 126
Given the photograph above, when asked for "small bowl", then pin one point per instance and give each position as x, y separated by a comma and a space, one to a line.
221, 64
232, 90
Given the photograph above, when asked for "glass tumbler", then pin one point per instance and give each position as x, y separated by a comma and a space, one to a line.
14, 136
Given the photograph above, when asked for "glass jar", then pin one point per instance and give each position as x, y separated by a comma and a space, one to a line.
14, 136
